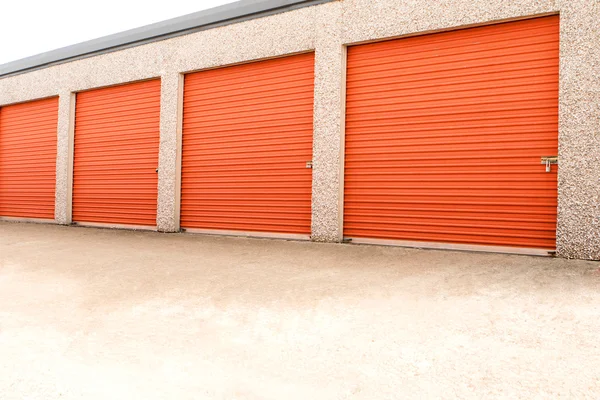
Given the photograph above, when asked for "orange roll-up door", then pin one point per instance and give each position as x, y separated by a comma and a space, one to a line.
247, 136
445, 134
28, 159
116, 154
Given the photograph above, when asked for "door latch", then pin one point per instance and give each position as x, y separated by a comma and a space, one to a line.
548, 161
309, 164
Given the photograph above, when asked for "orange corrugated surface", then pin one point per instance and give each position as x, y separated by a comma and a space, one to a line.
116, 154
444, 135
247, 135
28, 159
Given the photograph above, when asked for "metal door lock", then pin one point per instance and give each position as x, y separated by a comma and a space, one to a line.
548, 161
309, 164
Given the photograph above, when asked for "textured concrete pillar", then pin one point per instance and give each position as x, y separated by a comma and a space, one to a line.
327, 194
578, 234
167, 218
64, 158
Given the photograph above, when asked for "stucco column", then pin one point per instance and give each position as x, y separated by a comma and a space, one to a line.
578, 234
327, 181
64, 158
167, 218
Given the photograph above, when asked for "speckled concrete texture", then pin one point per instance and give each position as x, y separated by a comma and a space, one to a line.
327, 145
370, 20
144, 315
325, 28
62, 213
166, 220
578, 233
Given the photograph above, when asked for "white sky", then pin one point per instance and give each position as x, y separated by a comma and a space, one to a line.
31, 27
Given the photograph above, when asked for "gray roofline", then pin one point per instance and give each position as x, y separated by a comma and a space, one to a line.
224, 15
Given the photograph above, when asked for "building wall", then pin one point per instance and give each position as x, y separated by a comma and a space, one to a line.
326, 29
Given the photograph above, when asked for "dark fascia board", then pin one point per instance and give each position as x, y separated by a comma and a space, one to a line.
207, 19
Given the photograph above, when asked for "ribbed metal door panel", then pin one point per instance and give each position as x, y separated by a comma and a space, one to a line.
116, 154
247, 135
28, 159
444, 135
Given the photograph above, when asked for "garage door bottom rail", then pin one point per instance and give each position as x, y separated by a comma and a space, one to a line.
114, 226
451, 246
28, 220
251, 234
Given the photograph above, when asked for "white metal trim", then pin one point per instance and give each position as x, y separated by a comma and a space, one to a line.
342, 153
456, 247
71, 156
251, 234
179, 154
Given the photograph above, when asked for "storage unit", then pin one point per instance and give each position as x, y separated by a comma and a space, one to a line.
116, 154
247, 139
445, 134
428, 126
28, 136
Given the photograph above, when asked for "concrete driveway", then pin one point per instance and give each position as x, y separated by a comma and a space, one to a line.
100, 314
